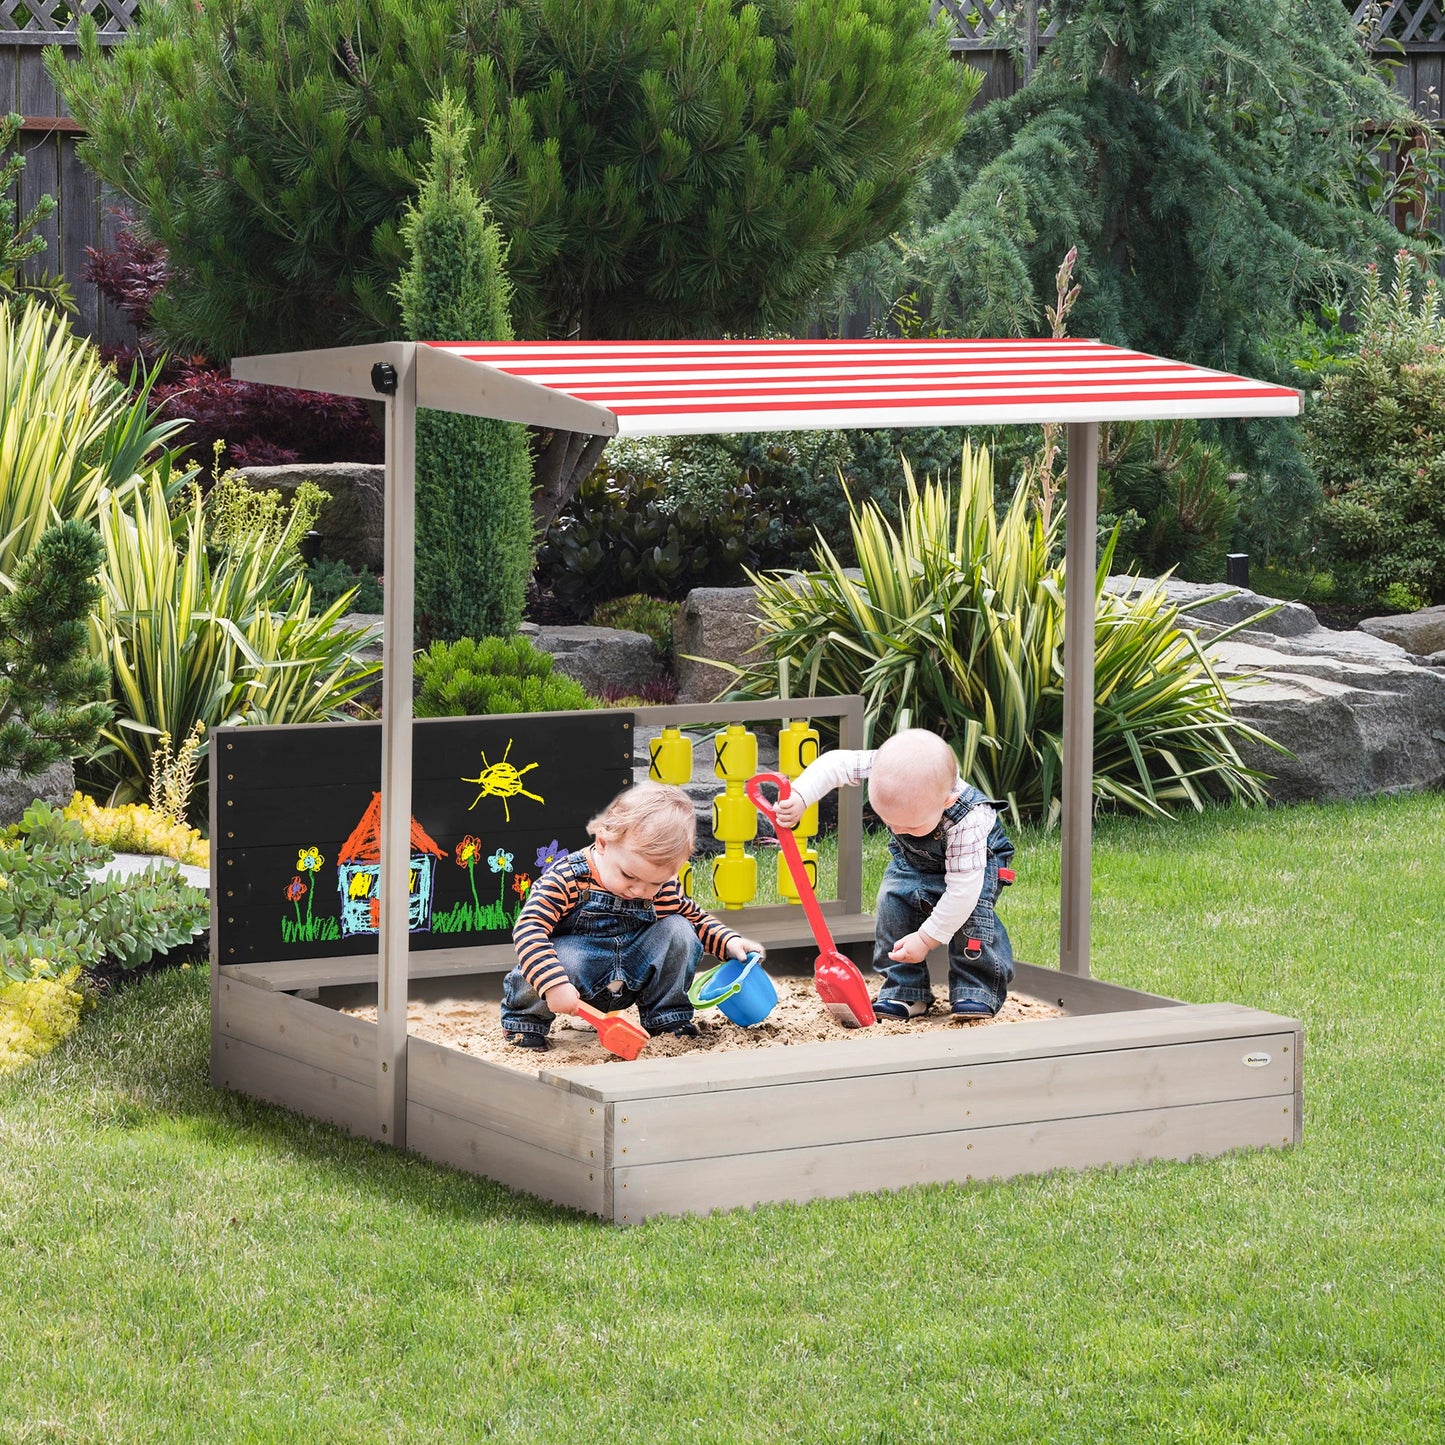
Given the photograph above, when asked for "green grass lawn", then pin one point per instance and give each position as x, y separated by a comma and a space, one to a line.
179, 1264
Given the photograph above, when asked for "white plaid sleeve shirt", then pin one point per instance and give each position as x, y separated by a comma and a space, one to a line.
966, 853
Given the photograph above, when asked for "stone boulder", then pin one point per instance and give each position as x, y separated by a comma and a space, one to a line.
1421, 634
56, 786
607, 661
1358, 715
352, 523
713, 622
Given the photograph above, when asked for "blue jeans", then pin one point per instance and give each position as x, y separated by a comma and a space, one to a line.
617, 953
980, 956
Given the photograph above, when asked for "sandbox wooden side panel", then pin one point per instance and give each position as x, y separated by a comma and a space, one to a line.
936, 1101
832, 1171
299, 1055
511, 1127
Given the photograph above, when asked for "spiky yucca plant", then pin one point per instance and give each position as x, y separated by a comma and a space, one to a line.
955, 622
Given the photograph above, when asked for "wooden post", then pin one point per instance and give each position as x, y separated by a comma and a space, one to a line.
398, 552
1081, 523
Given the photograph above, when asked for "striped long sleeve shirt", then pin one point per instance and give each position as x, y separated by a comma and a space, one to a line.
563, 888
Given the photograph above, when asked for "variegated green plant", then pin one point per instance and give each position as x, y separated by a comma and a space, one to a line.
954, 620
70, 429
221, 639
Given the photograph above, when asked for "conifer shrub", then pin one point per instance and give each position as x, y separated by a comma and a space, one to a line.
1376, 438
481, 677
473, 474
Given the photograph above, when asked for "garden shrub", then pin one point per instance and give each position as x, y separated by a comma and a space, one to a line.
473, 473
51, 690
38, 1012
481, 677
1376, 438
74, 433
640, 613
261, 425
331, 579
957, 625
240, 517
190, 638
52, 909
137, 828
1171, 492
620, 535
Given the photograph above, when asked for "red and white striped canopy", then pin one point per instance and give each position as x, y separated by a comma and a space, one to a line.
662, 388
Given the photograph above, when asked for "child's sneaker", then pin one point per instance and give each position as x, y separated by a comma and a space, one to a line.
537, 1042
897, 1008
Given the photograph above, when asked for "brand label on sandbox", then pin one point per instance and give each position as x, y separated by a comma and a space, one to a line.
1256, 1061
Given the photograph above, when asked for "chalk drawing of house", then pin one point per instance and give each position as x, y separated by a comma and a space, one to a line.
358, 868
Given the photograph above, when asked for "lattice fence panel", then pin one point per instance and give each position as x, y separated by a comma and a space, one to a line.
987, 24
1421, 22
49, 21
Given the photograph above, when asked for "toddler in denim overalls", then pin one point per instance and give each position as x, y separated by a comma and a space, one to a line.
948, 858
611, 927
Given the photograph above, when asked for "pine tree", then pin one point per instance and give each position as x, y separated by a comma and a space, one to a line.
473, 474
50, 686
1205, 158
659, 167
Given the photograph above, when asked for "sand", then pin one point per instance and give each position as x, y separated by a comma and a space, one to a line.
474, 1027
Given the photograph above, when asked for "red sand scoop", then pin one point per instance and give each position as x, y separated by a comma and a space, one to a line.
836, 978
616, 1034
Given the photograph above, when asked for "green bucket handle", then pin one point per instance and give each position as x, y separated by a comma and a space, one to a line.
700, 987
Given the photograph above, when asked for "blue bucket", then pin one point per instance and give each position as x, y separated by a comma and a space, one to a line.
740, 989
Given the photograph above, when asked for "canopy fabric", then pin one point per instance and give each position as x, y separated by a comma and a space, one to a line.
662, 388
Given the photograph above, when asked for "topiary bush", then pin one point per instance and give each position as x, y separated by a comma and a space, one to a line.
1376, 438
331, 579
473, 473
480, 677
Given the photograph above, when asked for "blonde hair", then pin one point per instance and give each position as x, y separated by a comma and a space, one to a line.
655, 820
913, 764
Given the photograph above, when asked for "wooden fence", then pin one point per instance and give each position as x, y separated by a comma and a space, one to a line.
1000, 37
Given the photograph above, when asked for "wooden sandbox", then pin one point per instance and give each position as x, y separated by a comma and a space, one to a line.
1123, 1076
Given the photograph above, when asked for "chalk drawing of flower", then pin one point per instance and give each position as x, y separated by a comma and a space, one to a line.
296, 890
500, 862
309, 860
522, 884
468, 851
550, 856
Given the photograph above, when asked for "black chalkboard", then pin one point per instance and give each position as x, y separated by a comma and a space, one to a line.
297, 814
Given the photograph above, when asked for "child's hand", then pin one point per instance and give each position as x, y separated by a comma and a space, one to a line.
740, 947
912, 948
789, 811
563, 999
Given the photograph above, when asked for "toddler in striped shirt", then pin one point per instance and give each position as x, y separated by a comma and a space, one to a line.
610, 925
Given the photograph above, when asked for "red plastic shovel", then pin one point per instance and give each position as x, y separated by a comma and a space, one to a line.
836, 978
617, 1035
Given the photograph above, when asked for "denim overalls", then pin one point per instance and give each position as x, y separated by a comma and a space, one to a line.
617, 952
980, 956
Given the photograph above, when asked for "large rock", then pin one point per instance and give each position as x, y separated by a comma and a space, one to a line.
1356, 713
713, 622
56, 786
352, 523
607, 661
1420, 633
